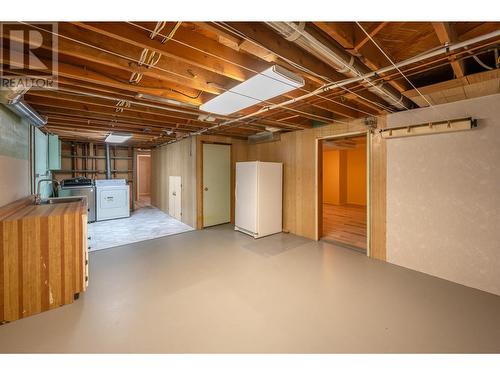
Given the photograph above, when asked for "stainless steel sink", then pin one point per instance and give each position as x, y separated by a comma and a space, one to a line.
62, 200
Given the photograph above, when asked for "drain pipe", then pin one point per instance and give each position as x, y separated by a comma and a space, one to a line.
334, 55
108, 163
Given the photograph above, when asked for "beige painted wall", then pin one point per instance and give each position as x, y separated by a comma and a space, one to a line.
14, 157
443, 195
356, 176
331, 178
344, 176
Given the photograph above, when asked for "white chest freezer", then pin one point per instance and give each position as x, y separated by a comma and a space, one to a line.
112, 199
258, 204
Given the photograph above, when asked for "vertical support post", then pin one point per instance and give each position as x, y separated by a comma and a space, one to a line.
108, 162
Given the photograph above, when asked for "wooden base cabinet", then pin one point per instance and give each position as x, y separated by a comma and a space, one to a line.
43, 257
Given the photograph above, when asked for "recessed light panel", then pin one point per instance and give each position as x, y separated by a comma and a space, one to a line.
270, 83
117, 138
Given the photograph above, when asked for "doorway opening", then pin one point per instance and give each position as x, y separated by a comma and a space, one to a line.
344, 191
143, 191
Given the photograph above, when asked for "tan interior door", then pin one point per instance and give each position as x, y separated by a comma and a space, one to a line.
144, 175
216, 184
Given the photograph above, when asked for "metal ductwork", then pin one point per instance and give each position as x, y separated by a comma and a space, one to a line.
334, 55
24, 110
13, 98
263, 137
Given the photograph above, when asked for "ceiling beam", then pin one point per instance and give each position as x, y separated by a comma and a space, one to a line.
446, 35
342, 32
94, 48
372, 31
133, 109
105, 119
481, 29
92, 75
192, 48
109, 111
223, 37
92, 128
87, 112
270, 40
164, 116
58, 110
264, 36
358, 45
237, 66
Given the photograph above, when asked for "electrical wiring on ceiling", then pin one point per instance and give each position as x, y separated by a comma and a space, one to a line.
307, 114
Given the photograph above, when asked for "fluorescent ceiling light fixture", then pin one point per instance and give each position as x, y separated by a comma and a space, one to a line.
270, 83
117, 138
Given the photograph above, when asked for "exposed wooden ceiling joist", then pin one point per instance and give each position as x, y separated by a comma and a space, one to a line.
446, 35
203, 59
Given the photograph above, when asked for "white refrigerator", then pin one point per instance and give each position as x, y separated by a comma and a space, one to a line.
258, 203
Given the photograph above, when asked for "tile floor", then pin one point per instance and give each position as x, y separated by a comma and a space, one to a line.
143, 224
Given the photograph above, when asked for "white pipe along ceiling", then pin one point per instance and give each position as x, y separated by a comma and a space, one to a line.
327, 87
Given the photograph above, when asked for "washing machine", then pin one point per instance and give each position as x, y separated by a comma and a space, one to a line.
80, 186
112, 199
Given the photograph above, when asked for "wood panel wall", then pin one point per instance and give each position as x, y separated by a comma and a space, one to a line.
176, 159
378, 196
298, 153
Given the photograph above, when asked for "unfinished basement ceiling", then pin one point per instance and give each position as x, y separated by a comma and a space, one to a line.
148, 78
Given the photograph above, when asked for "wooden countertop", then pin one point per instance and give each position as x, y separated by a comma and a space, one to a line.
25, 208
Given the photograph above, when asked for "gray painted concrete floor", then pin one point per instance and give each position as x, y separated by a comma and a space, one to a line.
143, 224
218, 290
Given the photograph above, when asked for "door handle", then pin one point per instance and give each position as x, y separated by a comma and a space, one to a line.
206, 189
174, 194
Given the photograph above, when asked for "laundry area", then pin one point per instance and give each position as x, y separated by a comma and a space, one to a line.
116, 182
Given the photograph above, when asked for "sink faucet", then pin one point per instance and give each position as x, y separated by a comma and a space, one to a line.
38, 197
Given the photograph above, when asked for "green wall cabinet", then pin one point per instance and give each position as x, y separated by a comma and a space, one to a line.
54, 153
